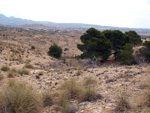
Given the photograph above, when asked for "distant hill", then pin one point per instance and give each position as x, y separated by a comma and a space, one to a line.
18, 22
12, 21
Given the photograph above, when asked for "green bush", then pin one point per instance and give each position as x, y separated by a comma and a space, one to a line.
18, 97
55, 51
32, 47
145, 51
125, 56
122, 103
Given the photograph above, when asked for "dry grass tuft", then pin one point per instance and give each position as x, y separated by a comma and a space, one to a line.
12, 73
75, 90
29, 66
5, 68
17, 97
23, 71
47, 99
72, 89
122, 104
89, 91
63, 103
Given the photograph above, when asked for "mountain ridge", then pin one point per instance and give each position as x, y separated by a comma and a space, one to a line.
19, 22
7, 21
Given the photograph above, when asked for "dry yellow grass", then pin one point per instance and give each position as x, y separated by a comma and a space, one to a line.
18, 97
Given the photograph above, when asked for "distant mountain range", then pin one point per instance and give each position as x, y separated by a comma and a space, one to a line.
12, 21
18, 22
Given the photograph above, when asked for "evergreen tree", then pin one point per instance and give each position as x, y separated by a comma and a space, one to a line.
145, 51
135, 38
125, 56
94, 44
117, 39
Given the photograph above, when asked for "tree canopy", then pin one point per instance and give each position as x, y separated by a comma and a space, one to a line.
135, 38
125, 56
101, 44
117, 39
94, 44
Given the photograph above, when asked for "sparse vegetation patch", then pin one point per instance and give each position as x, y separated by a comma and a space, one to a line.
19, 98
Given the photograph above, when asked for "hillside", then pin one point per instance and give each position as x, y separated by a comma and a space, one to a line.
45, 73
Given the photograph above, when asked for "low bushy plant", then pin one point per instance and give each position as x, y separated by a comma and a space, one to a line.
5, 68
55, 51
29, 66
122, 104
12, 73
23, 71
72, 88
89, 91
18, 97
47, 99
63, 103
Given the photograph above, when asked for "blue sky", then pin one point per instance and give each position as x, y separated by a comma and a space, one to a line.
120, 13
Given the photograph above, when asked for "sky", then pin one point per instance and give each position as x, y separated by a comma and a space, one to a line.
119, 13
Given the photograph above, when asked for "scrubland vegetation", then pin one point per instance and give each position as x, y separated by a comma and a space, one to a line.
73, 72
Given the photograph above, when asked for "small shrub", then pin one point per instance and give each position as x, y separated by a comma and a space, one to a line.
12, 73
79, 72
29, 66
72, 89
23, 71
55, 51
32, 47
47, 99
89, 92
122, 103
37, 76
63, 103
41, 73
66, 49
18, 97
81, 91
5, 68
